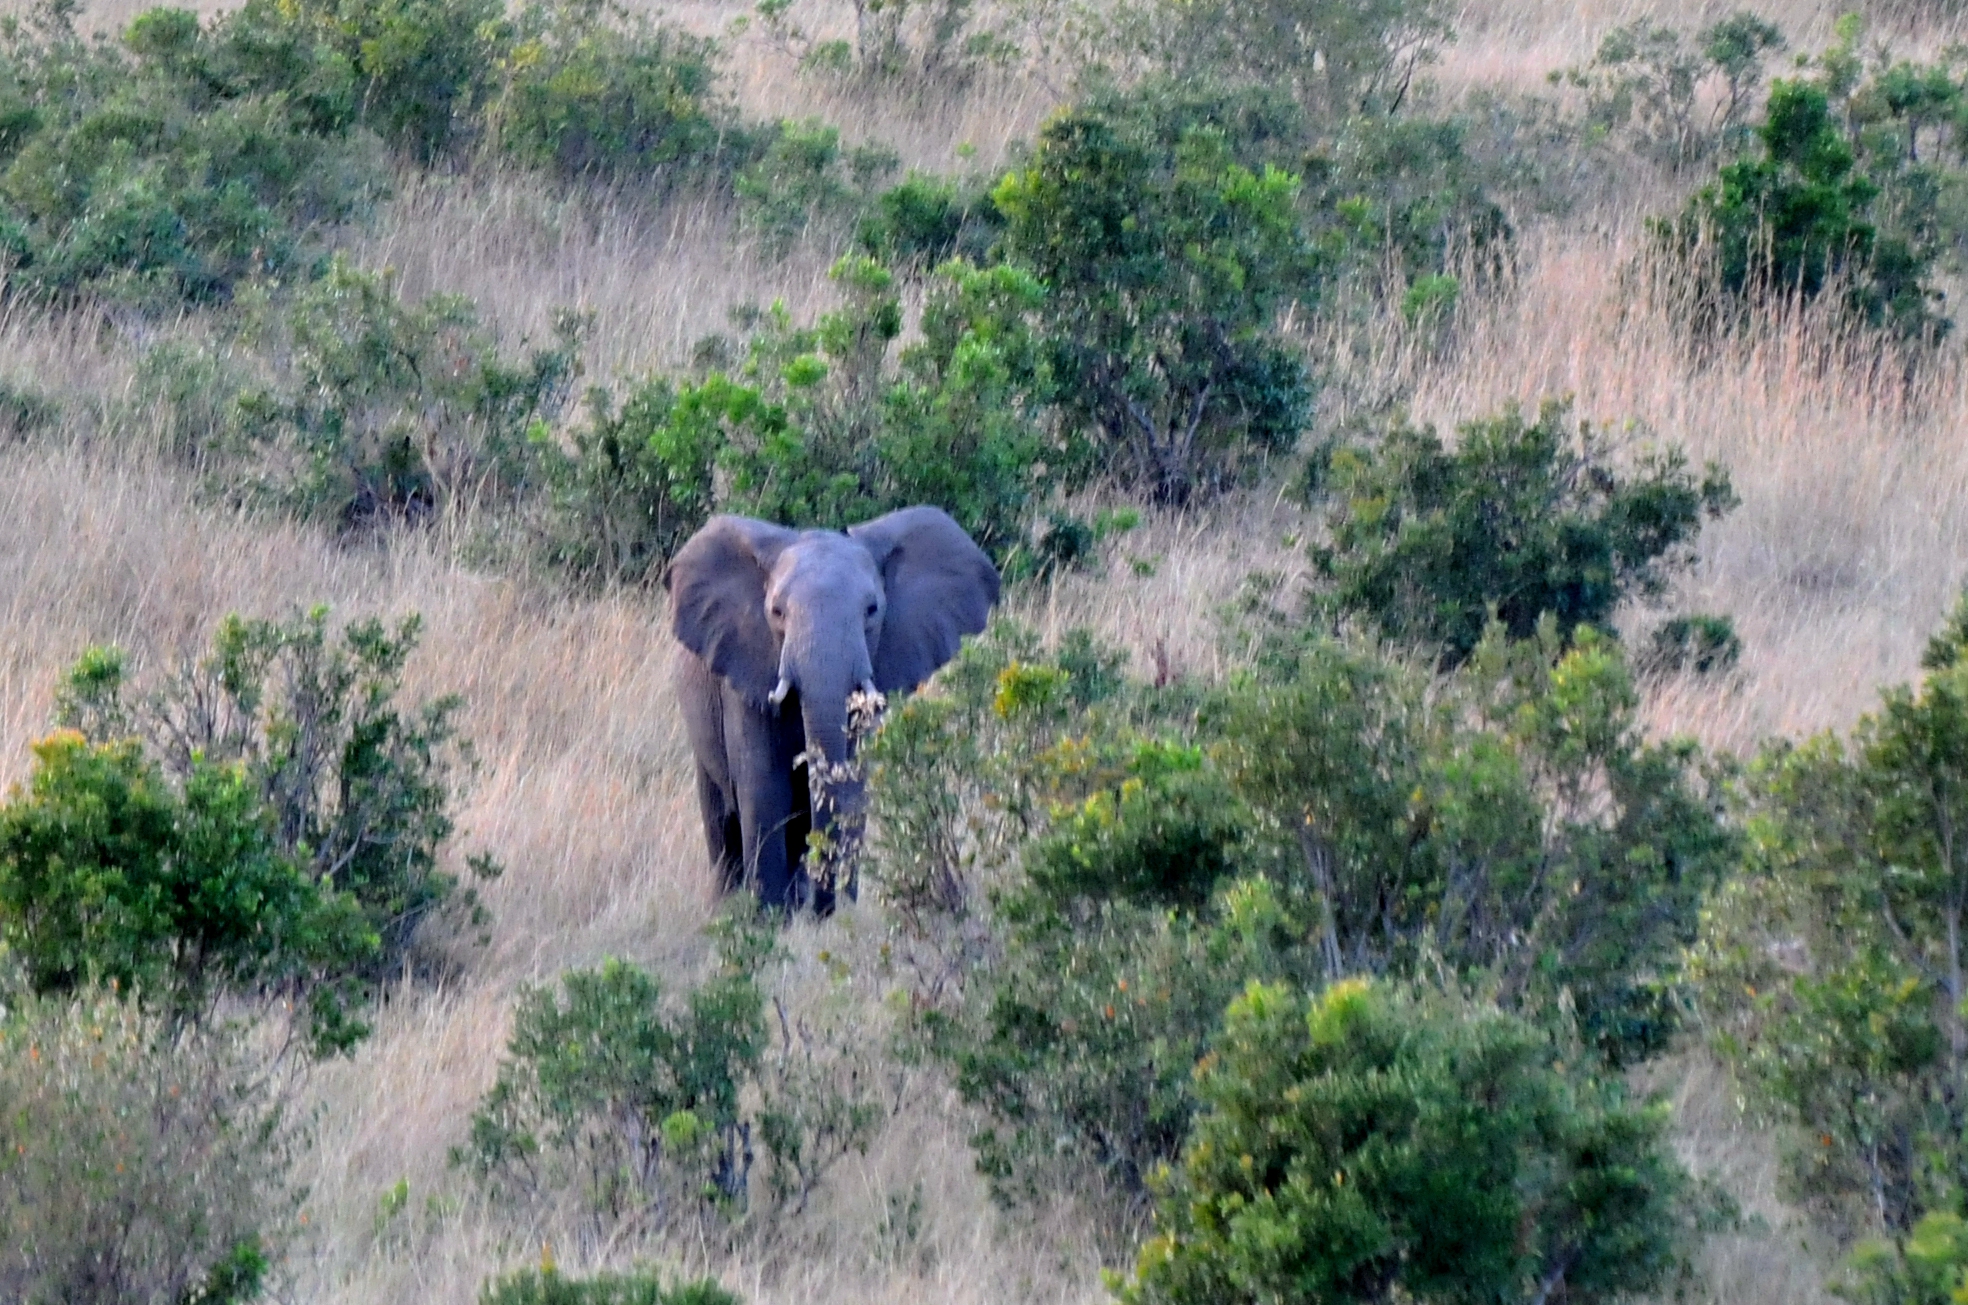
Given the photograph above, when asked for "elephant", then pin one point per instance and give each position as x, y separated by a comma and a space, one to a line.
778, 628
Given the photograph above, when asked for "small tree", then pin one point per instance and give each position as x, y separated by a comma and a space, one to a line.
1166, 264
1521, 519
1372, 1142
1834, 969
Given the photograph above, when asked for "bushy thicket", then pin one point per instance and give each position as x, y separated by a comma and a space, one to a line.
549, 1287
656, 1108
1090, 870
267, 822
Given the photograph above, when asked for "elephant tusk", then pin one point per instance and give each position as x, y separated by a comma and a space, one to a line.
868, 687
779, 691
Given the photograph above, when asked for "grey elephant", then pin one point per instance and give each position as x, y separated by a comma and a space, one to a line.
779, 628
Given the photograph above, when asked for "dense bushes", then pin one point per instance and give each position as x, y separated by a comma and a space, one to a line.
651, 1107
172, 166
266, 822
548, 1287
1523, 519
1372, 1142
1088, 870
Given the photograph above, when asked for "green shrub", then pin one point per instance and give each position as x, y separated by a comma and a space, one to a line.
801, 177
423, 68
1702, 644
25, 410
634, 484
1514, 823
375, 410
163, 169
137, 1162
1815, 209
1370, 1142
297, 742
589, 90
549, 1287
923, 221
832, 424
110, 876
1165, 263
1830, 969
1521, 519
1673, 101
1337, 59
925, 41
652, 1106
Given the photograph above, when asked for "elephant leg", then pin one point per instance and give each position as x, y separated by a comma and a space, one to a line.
722, 832
764, 781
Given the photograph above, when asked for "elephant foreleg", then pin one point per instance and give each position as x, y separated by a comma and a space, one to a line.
763, 775
722, 832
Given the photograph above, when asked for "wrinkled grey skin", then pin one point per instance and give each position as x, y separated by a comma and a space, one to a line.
779, 627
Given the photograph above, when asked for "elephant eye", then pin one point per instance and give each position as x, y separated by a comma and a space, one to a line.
872, 609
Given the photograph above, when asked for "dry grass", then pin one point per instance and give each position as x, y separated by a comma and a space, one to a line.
1851, 541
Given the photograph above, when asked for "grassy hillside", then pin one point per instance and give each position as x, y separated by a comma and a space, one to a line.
1850, 544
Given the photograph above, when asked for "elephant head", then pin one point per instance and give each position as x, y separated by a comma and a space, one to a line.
817, 614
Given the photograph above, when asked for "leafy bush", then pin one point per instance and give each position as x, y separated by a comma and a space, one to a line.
1166, 262
549, 1287
924, 40
109, 876
1513, 823
634, 483
1337, 59
1371, 1142
1521, 519
1819, 208
651, 1105
137, 1162
587, 89
800, 176
1830, 968
1086, 870
292, 749
831, 424
1673, 101
168, 167
423, 68
1701, 644
370, 410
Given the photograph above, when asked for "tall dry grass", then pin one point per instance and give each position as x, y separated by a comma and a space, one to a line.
1848, 547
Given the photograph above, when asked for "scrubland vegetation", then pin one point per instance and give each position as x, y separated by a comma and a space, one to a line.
1460, 801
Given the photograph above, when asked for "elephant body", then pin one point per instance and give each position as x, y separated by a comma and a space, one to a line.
779, 628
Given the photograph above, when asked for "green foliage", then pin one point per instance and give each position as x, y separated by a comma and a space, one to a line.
137, 1162
172, 166
1522, 519
422, 68
923, 41
1830, 969
375, 410
924, 221
25, 410
549, 1287
1857, 186
1674, 101
634, 484
652, 1106
1699, 643
586, 89
639, 1102
1166, 262
110, 876
801, 177
294, 755
832, 424
1337, 59
1085, 870
1371, 1142
1513, 823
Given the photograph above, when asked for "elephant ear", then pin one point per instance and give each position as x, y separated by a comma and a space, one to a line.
940, 587
717, 600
